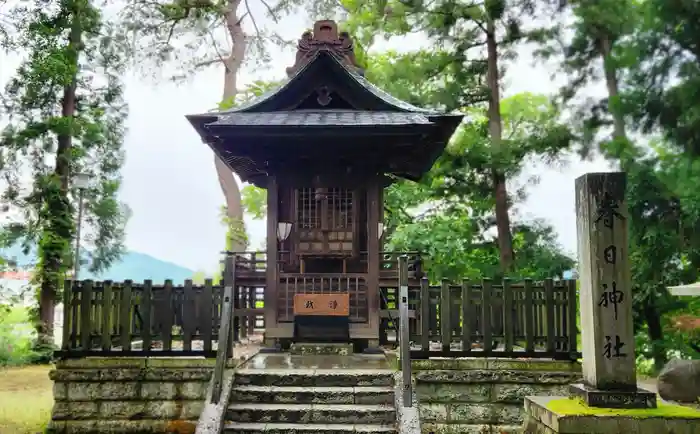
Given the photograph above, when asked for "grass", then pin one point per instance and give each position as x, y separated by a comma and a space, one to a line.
26, 398
569, 406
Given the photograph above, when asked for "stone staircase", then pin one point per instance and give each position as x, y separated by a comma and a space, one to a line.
310, 401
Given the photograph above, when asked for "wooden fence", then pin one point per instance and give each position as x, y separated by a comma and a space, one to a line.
483, 319
470, 319
127, 319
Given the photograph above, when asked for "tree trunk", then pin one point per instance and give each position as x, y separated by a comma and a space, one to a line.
505, 241
656, 334
59, 224
619, 130
229, 186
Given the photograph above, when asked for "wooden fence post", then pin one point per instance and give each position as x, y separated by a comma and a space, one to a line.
445, 315
572, 303
85, 315
467, 312
106, 328
68, 319
486, 313
404, 338
508, 324
206, 321
529, 316
425, 314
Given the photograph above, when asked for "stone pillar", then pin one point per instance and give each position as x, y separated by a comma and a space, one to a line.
605, 295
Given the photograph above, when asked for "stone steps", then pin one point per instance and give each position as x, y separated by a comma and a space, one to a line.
311, 401
310, 428
313, 395
312, 413
313, 377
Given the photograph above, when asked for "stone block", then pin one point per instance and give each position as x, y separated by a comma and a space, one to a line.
593, 397
433, 412
448, 364
180, 362
193, 390
534, 365
471, 414
506, 429
60, 391
453, 392
128, 426
516, 393
102, 391
507, 414
321, 349
455, 428
373, 395
166, 410
190, 409
120, 374
65, 410
158, 391
310, 413
561, 415
175, 375
115, 374
313, 378
497, 376
480, 363
102, 363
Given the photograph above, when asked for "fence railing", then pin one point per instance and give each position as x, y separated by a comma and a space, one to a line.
255, 263
486, 319
131, 319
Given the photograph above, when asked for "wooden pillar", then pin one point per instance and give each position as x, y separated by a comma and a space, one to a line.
272, 279
605, 296
373, 207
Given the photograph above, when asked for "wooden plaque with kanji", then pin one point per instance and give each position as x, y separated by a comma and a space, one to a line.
322, 304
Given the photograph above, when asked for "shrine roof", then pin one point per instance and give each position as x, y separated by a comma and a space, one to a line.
326, 99
343, 69
322, 118
326, 68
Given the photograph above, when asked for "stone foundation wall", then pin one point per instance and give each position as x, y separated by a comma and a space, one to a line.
129, 395
484, 395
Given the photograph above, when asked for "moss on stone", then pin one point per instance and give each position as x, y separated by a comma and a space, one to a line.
576, 407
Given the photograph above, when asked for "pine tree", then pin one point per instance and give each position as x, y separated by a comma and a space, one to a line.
66, 116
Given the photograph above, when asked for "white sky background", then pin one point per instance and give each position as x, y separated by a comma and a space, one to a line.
171, 185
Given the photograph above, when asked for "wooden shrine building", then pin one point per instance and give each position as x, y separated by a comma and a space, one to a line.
324, 145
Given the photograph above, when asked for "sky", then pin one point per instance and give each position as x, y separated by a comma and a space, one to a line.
170, 182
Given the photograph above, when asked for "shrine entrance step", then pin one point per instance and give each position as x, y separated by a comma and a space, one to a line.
324, 394
320, 349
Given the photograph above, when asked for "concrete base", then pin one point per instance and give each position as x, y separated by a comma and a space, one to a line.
593, 397
564, 415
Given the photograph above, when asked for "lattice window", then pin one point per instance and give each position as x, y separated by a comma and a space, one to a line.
338, 207
308, 209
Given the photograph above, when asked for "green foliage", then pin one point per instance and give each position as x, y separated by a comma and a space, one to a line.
254, 201
16, 336
250, 92
65, 116
646, 54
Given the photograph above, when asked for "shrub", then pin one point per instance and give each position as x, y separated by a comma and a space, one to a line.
16, 337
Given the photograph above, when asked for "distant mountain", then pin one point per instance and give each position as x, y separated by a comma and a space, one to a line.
132, 265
